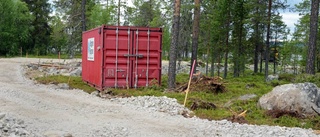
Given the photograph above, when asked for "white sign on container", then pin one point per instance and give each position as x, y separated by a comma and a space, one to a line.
91, 49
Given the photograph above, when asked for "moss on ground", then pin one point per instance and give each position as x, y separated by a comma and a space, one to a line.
227, 102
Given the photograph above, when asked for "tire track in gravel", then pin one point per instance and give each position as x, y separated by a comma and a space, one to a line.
44, 108
72, 111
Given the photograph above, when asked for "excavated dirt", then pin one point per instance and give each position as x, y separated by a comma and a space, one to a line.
203, 84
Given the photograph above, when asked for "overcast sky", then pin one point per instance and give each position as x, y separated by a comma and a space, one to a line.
288, 17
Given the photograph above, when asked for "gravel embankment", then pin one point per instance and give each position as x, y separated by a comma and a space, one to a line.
41, 110
9, 126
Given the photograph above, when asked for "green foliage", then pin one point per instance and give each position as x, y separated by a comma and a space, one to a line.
58, 37
40, 40
146, 13
308, 78
166, 39
227, 103
53, 56
100, 15
287, 77
15, 26
70, 13
73, 82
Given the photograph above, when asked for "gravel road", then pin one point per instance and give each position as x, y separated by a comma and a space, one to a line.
47, 111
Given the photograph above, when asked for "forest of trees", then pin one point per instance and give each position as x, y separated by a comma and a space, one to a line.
229, 34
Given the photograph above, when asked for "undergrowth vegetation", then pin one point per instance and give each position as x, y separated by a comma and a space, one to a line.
227, 103
72, 81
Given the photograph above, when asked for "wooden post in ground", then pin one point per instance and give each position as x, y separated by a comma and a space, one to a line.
190, 78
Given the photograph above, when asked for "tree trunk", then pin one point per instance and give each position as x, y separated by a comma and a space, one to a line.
195, 34
310, 68
83, 7
174, 45
212, 60
238, 33
227, 44
241, 49
256, 42
186, 52
261, 55
274, 53
207, 60
226, 61
208, 52
119, 12
268, 41
219, 61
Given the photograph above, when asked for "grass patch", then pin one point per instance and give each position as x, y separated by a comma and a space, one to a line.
52, 56
227, 103
73, 82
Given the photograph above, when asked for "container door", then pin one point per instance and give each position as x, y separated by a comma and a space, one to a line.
132, 57
147, 58
117, 67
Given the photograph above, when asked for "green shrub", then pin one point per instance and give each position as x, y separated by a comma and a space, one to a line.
287, 77
308, 78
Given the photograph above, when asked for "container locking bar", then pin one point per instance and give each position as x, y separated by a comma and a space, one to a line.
133, 55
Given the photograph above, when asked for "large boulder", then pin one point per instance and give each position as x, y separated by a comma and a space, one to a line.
301, 98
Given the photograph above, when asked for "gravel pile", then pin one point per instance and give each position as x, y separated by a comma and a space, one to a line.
11, 127
152, 103
54, 68
65, 113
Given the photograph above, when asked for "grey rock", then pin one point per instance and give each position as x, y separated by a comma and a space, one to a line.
12, 135
247, 97
63, 71
20, 122
76, 72
2, 115
5, 129
151, 103
41, 69
34, 67
63, 86
74, 64
272, 77
67, 135
24, 132
95, 93
51, 134
300, 98
53, 71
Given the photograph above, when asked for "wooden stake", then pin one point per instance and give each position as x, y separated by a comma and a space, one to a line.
187, 91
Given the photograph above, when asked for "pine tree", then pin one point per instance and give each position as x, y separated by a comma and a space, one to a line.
310, 68
15, 26
174, 44
40, 9
195, 33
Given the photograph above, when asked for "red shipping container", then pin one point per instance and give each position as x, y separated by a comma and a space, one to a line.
118, 56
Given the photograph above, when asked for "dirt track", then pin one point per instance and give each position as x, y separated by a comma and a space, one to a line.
48, 110
72, 111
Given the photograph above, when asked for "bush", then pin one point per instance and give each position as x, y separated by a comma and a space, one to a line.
287, 77
308, 78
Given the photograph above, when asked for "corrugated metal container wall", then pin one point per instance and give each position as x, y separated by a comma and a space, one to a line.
121, 56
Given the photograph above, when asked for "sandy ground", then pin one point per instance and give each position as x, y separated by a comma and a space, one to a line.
47, 109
